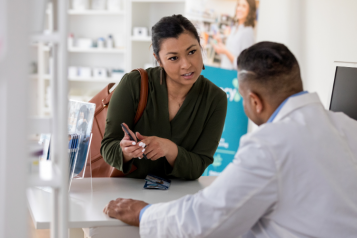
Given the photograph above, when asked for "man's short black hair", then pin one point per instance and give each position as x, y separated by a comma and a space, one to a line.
271, 66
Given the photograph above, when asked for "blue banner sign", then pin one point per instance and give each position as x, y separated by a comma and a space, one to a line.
236, 124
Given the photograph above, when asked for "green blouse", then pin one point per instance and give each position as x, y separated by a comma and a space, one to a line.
196, 129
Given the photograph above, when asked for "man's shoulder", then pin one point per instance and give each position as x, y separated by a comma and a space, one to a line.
271, 134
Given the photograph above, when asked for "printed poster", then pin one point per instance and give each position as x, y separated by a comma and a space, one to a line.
226, 28
236, 124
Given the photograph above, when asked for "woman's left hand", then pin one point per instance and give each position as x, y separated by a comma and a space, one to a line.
155, 147
220, 48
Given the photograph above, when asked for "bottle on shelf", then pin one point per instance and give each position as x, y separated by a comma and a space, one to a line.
110, 42
70, 41
100, 42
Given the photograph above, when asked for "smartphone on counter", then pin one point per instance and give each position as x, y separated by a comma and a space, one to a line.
131, 138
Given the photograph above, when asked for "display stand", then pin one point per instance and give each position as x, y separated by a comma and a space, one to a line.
87, 169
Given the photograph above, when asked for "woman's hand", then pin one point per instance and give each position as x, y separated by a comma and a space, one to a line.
130, 148
220, 48
156, 147
217, 38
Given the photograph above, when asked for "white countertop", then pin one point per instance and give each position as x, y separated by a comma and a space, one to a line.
86, 207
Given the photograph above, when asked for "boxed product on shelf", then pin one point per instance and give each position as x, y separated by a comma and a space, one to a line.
100, 73
80, 4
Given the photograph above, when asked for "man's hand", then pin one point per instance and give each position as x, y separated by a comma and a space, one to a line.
126, 210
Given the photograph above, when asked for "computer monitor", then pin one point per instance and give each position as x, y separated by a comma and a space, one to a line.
344, 93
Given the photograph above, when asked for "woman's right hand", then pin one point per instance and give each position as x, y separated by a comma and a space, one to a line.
130, 148
217, 37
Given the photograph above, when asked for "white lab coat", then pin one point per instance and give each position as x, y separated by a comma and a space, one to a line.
294, 177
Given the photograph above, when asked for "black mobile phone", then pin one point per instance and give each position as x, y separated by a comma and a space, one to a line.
131, 138
127, 132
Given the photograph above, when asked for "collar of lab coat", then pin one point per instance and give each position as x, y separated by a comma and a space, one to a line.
297, 102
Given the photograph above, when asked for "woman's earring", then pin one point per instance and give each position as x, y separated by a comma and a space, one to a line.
161, 74
203, 67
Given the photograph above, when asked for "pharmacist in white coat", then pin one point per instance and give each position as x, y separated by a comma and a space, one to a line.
295, 176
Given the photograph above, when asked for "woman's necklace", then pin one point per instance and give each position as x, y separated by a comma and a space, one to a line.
179, 102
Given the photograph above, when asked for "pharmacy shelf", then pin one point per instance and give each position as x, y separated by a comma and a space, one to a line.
96, 12
199, 18
95, 80
35, 76
42, 125
45, 47
49, 178
46, 110
169, 1
97, 50
46, 38
144, 39
36, 181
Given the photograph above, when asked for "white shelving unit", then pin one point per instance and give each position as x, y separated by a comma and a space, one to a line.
36, 180
41, 45
94, 24
95, 80
96, 12
145, 39
145, 13
97, 50
54, 174
160, 1
36, 76
42, 75
134, 53
14, 81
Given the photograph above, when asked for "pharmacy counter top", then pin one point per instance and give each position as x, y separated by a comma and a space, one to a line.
86, 207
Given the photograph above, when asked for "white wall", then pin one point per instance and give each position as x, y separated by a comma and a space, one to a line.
330, 35
318, 32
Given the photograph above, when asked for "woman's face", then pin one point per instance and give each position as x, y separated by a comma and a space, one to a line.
181, 58
242, 10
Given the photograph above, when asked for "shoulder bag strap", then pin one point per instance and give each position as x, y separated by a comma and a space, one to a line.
143, 98
144, 91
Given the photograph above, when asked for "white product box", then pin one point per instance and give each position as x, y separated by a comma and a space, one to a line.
119, 41
72, 72
114, 5
140, 32
99, 4
100, 73
84, 43
84, 72
80, 4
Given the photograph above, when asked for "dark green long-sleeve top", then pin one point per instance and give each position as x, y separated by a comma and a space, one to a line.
196, 129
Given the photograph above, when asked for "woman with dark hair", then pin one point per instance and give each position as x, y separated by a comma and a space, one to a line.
82, 123
181, 126
241, 36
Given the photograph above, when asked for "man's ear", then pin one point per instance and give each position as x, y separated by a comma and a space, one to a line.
256, 102
157, 59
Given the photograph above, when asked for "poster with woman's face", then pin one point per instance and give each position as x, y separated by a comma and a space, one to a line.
226, 27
